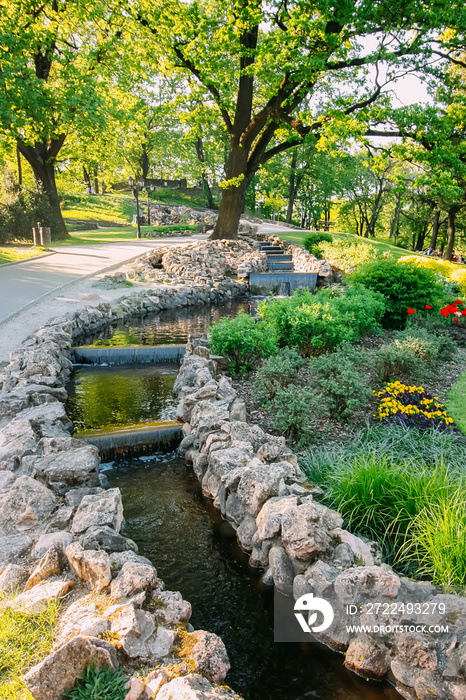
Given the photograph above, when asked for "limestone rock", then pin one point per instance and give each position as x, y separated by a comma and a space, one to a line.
37, 598
367, 659
257, 483
26, 506
106, 538
12, 548
270, 516
89, 565
209, 654
45, 542
415, 650
132, 579
302, 535
117, 559
65, 470
139, 636
101, 509
171, 608
373, 582
359, 548
60, 670
13, 578
282, 570
193, 687
51, 564
317, 579
81, 620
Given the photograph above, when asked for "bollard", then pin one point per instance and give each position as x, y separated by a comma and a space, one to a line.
35, 236
45, 236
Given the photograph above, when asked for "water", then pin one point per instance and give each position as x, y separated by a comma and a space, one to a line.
101, 398
196, 552
170, 327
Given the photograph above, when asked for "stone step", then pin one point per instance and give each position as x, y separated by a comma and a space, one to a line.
272, 249
279, 258
281, 266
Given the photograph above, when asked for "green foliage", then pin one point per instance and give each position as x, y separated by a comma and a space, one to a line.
456, 402
25, 640
99, 684
277, 371
312, 241
346, 254
292, 409
317, 323
242, 341
403, 287
342, 385
405, 489
20, 210
399, 360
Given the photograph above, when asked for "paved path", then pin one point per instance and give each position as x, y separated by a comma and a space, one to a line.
24, 283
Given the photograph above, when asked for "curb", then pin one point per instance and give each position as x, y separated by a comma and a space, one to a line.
23, 260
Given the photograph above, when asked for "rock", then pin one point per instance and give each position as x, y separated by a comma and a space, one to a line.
101, 509
247, 532
61, 519
302, 535
73, 497
138, 634
51, 564
248, 433
45, 542
132, 579
282, 570
209, 654
12, 548
89, 565
170, 608
343, 555
415, 650
374, 582
37, 598
193, 687
317, 579
271, 451
429, 687
270, 515
26, 506
360, 549
69, 469
12, 579
156, 679
137, 689
257, 483
238, 411
367, 659
106, 538
60, 670
117, 559
17, 439
81, 620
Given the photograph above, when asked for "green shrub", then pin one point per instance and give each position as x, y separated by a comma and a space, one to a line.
293, 407
99, 684
317, 323
312, 241
339, 378
242, 341
347, 254
20, 209
403, 287
398, 360
440, 346
277, 371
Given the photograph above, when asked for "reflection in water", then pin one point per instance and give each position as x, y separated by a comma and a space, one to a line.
102, 397
170, 327
195, 552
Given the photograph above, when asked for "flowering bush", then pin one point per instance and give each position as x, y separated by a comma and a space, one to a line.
413, 407
454, 310
453, 275
347, 255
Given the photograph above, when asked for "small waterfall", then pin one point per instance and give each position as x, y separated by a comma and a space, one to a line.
281, 283
129, 355
126, 444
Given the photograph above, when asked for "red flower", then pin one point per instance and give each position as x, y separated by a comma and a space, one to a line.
463, 312
452, 308
428, 306
458, 301
410, 311
456, 320
444, 312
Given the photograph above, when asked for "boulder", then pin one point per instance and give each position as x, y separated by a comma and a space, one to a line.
101, 509
132, 579
45, 542
170, 608
81, 620
106, 538
117, 559
37, 598
89, 565
26, 506
65, 470
367, 658
258, 482
194, 687
270, 516
317, 579
51, 564
59, 672
209, 654
359, 548
282, 570
13, 578
17, 439
138, 634
415, 650
302, 534
12, 548
373, 582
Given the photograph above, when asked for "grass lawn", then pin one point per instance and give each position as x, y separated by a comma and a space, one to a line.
108, 207
12, 253
298, 237
116, 234
456, 402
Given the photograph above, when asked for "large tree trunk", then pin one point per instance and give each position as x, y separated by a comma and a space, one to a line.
396, 216
435, 228
41, 157
232, 202
292, 190
451, 231
421, 236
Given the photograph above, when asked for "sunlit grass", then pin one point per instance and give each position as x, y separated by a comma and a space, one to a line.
456, 402
25, 640
20, 252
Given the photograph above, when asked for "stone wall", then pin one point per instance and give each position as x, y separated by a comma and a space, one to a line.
61, 528
254, 479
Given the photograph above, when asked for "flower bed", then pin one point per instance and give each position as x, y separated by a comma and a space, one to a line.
412, 406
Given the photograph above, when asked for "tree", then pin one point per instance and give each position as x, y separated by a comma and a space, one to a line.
279, 71
52, 80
